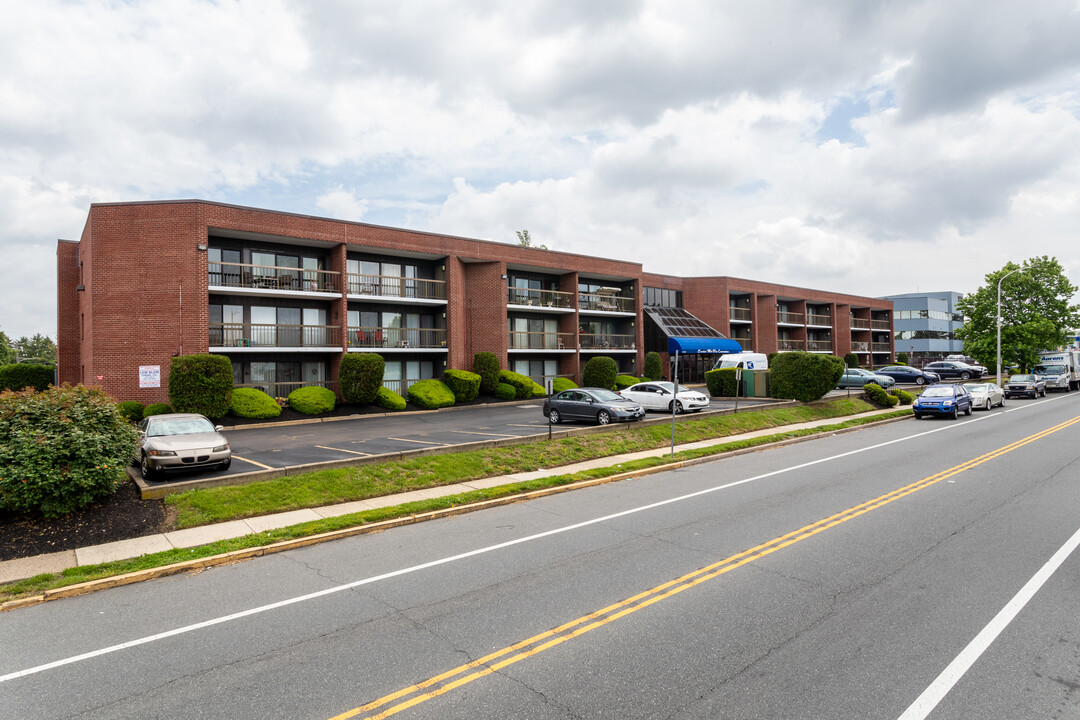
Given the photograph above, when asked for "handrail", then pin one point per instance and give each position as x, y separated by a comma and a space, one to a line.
606, 341
521, 340
271, 277
539, 298
263, 335
395, 286
389, 337
604, 303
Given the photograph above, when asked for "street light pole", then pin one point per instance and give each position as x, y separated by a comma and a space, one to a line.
999, 321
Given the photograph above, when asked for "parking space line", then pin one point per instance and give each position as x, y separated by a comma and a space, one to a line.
422, 442
244, 459
469, 432
528, 426
354, 452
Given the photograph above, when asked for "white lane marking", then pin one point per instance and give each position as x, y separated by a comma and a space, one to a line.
244, 459
354, 452
453, 558
488, 434
941, 686
422, 442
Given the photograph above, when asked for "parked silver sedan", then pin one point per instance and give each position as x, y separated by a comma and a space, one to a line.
985, 395
661, 396
181, 441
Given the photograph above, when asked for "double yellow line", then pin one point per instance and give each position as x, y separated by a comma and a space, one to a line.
464, 674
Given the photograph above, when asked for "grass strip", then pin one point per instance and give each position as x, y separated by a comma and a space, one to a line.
40, 583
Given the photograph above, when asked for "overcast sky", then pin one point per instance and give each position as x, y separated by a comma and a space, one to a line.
866, 147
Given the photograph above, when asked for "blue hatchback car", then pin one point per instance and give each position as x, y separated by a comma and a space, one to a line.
946, 400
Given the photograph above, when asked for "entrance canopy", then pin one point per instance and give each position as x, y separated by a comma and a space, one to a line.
702, 345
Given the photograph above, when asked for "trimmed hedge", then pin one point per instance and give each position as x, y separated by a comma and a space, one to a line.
721, 382
18, 376
524, 386
600, 372
360, 377
903, 396
430, 394
312, 400
156, 409
902, 358
64, 448
132, 410
804, 376
253, 403
654, 368
505, 392
486, 365
560, 383
624, 381
201, 384
877, 395
464, 384
851, 360
387, 398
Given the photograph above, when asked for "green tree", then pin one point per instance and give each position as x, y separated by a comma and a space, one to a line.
1035, 313
38, 350
7, 353
525, 241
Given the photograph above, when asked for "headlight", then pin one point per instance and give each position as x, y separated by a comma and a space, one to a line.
947, 403
161, 453
221, 448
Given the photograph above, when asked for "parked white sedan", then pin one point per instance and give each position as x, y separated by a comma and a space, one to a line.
985, 395
660, 396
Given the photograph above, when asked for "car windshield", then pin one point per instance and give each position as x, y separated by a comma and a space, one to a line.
667, 386
938, 392
1022, 378
1050, 369
977, 389
605, 395
182, 426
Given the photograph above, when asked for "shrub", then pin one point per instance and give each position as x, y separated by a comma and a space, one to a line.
524, 386
201, 384
464, 384
804, 376
624, 381
63, 449
877, 395
387, 398
600, 372
312, 400
431, 394
654, 368
851, 360
560, 383
253, 403
721, 382
24, 375
132, 410
156, 409
903, 396
505, 392
902, 358
360, 377
486, 365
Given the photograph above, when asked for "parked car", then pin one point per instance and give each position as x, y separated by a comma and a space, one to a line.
908, 374
660, 396
1025, 385
986, 395
954, 369
941, 399
181, 441
857, 377
595, 404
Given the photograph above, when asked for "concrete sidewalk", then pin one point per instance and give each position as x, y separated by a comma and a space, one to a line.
11, 570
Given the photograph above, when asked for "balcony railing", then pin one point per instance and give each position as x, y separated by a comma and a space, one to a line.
391, 337
860, 324
813, 319
860, 347
739, 313
252, 335
785, 344
605, 303
819, 345
539, 298
540, 341
282, 389
790, 318
744, 343
270, 277
882, 347
880, 325
394, 286
602, 341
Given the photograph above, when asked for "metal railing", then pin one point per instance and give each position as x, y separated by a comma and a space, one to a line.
739, 313
389, 337
252, 335
819, 345
270, 277
539, 298
605, 303
282, 389
744, 343
790, 318
880, 325
881, 347
540, 341
860, 347
860, 324
813, 319
604, 341
394, 286
785, 344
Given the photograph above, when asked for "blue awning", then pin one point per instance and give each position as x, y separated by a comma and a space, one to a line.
702, 345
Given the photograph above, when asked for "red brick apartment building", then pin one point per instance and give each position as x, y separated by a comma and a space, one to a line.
285, 296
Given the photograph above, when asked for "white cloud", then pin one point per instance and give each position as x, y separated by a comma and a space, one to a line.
342, 204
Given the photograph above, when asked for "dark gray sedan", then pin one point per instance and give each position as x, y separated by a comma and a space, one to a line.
181, 441
592, 404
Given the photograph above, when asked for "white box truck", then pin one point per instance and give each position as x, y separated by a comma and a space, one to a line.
1060, 369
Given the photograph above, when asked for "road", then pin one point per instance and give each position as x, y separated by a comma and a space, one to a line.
911, 570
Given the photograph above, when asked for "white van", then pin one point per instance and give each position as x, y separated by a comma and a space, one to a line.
746, 361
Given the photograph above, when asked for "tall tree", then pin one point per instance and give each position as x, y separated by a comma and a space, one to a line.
38, 350
7, 353
1036, 313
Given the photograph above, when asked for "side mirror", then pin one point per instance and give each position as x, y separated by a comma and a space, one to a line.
219, 428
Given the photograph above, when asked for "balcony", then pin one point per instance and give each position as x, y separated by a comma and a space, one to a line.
739, 314
589, 302
789, 318
882, 347
540, 341
241, 335
860, 347
361, 338
860, 324
540, 299
784, 344
819, 345
394, 288
268, 277
603, 341
819, 320
880, 325
745, 343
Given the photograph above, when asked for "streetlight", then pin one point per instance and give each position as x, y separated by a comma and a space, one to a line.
999, 318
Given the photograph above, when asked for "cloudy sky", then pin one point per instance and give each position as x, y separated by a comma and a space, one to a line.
869, 147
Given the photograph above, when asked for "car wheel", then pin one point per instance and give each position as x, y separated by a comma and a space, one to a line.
988, 404
678, 407
965, 375
920, 381
553, 416
148, 471
955, 412
967, 410
227, 464
918, 416
1002, 403
603, 417
1044, 392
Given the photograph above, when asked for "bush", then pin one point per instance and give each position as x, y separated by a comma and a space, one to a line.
721, 382
132, 410
312, 400
600, 372
431, 394
877, 395
624, 381
24, 375
902, 359
63, 449
654, 368
524, 386
201, 384
851, 360
387, 398
253, 403
360, 377
560, 383
903, 396
486, 365
464, 384
505, 392
804, 376
156, 409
